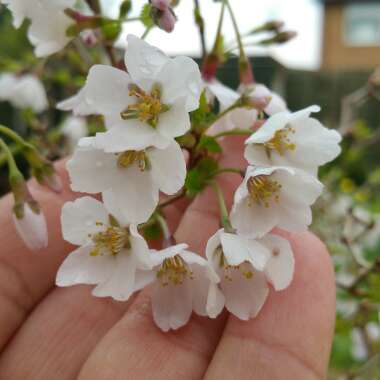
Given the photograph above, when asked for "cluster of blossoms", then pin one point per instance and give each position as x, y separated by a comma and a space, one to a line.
146, 110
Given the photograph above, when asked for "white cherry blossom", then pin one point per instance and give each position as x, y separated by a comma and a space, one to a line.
25, 91
183, 282
148, 106
48, 22
293, 139
112, 256
276, 196
31, 227
245, 266
129, 181
242, 118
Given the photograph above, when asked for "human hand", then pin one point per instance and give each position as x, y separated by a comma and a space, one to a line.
65, 333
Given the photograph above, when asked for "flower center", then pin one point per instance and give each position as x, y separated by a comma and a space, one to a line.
262, 189
129, 157
244, 268
281, 142
174, 270
111, 241
148, 106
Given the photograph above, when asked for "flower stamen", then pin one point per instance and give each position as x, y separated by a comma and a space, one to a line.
110, 241
281, 142
174, 270
247, 273
129, 157
261, 189
148, 106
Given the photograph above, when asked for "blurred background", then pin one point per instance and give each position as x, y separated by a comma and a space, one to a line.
331, 62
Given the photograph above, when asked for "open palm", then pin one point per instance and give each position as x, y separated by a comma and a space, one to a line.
51, 333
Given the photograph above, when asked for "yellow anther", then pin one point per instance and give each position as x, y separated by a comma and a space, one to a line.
281, 142
129, 157
174, 270
111, 241
262, 189
242, 268
148, 106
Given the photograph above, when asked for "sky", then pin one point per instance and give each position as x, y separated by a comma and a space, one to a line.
302, 16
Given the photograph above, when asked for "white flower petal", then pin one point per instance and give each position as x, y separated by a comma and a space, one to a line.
252, 219
212, 244
80, 267
140, 249
131, 135
280, 267
224, 94
120, 285
168, 168
78, 104
181, 79
175, 122
32, 228
215, 301
172, 305
200, 288
143, 61
92, 170
245, 297
134, 198
107, 89
79, 219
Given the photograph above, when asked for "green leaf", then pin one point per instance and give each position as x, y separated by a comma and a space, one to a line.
146, 16
210, 144
198, 177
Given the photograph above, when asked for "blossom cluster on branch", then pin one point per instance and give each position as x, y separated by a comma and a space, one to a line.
164, 121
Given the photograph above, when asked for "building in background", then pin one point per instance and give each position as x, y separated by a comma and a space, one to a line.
351, 34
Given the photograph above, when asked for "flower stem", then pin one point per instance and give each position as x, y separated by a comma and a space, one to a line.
201, 27
224, 218
164, 226
229, 170
146, 32
237, 32
234, 132
15, 176
15, 137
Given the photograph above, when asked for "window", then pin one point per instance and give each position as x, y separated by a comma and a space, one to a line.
362, 24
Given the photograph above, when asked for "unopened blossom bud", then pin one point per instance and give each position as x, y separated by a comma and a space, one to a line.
279, 38
259, 103
167, 20
161, 4
274, 25
43, 170
246, 72
27, 216
270, 26
163, 15
31, 227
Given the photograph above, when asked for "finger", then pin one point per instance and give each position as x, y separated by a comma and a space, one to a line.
291, 337
59, 335
25, 277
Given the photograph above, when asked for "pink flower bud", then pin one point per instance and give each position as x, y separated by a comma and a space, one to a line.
31, 227
162, 5
167, 20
